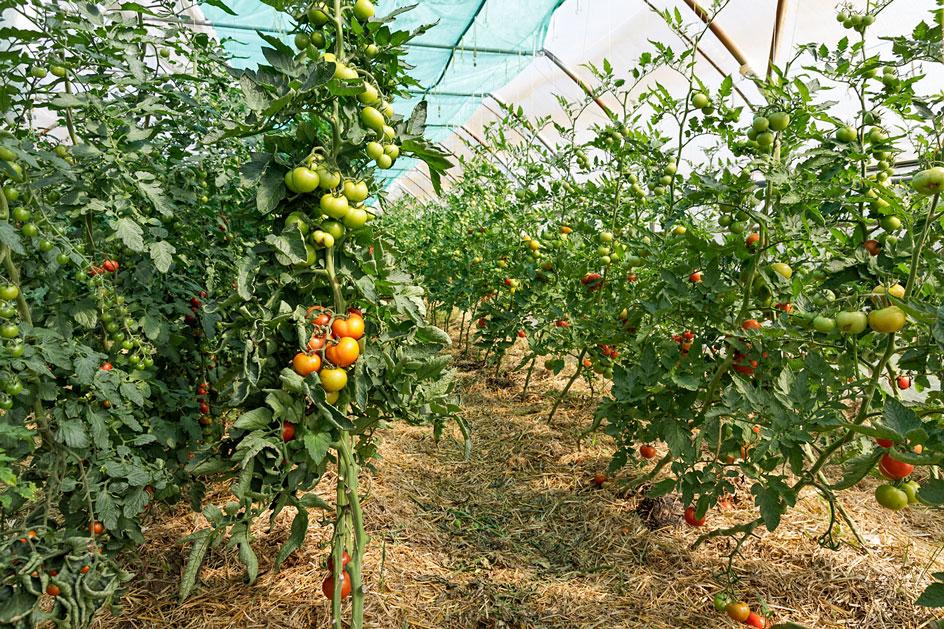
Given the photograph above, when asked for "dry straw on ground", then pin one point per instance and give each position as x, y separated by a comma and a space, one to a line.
518, 537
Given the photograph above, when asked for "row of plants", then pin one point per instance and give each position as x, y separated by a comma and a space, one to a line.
200, 300
757, 283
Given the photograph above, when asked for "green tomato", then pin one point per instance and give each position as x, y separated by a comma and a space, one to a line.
372, 51
302, 180
824, 325
363, 10
334, 228
302, 41
373, 119
30, 230
929, 182
10, 193
7, 311
16, 350
911, 489
846, 135
334, 205
13, 388
9, 331
355, 191
370, 95
392, 150
375, 150
38, 72
7, 155
760, 124
44, 246
310, 258
891, 497
779, 120
384, 161
700, 100
355, 218
62, 259
21, 214
851, 322
317, 14
9, 292
299, 219
329, 179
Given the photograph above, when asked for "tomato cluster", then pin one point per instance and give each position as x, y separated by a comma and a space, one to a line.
334, 345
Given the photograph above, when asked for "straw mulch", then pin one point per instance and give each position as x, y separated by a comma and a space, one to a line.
519, 537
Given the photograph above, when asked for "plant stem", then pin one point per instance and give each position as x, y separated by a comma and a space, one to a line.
569, 384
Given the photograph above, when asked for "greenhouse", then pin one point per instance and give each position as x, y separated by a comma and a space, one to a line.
472, 313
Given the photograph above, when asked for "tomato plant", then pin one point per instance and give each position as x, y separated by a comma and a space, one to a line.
765, 269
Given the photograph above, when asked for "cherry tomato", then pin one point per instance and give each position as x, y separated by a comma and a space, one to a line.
327, 586
288, 432
96, 528
691, 519
647, 451
738, 611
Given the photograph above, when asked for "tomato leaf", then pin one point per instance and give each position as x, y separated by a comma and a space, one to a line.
201, 543
256, 419
932, 491
856, 469
317, 445
295, 539
933, 596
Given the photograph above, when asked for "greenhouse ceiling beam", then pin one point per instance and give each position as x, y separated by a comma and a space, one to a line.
775, 36
718, 32
577, 80
714, 64
510, 52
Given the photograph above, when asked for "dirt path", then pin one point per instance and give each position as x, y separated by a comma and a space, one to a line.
518, 537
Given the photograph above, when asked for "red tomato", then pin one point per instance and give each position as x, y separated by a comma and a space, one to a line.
107, 366
904, 382
647, 451
755, 620
522, 334
874, 247
316, 342
894, 470
96, 528
327, 586
353, 327
599, 478
691, 519
204, 408
288, 432
885, 443
322, 319
695, 277
344, 352
345, 559
52, 590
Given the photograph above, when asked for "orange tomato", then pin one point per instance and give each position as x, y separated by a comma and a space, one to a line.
306, 364
96, 528
353, 327
751, 324
344, 352
738, 611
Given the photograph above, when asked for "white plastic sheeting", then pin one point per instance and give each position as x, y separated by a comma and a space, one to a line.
589, 31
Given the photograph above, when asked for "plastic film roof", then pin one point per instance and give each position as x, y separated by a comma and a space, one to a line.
583, 31
476, 46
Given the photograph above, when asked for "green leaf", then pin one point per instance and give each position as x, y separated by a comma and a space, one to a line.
933, 596
256, 419
162, 254
130, 234
295, 539
932, 491
271, 190
770, 503
201, 543
856, 469
317, 445
11, 238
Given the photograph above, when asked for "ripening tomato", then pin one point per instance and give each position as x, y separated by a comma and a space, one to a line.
522, 334
327, 586
873, 247
752, 239
599, 478
691, 518
750, 324
738, 611
52, 590
647, 451
344, 352
353, 327
695, 277
106, 366
891, 497
587, 363
322, 319
288, 432
756, 620
333, 379
85, 569
894, 470
306, 364
96, 528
